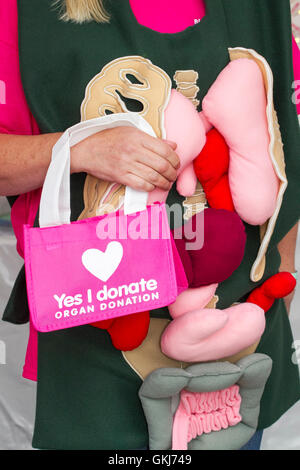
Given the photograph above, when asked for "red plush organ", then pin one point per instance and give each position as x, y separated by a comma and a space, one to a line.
276, 287
211, 167
126, 332
224, 240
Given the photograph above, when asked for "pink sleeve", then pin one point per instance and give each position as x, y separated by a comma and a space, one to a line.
15, 115
16, 118
296, 60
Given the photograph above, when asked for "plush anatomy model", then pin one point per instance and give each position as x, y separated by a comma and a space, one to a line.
241, 173
235, 106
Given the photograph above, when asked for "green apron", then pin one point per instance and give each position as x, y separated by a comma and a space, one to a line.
87, 394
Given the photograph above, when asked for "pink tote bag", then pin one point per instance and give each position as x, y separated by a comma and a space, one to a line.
103, 267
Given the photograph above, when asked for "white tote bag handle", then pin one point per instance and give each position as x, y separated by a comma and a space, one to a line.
55, 206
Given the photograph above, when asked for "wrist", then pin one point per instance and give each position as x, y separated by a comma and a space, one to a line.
77, 163
288, 267
83, 154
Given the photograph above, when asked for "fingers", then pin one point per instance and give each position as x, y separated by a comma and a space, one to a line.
131, 157
151, 176
156, 165
162, 148
136, 182
172, 144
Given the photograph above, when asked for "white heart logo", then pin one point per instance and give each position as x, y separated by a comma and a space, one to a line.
103, 264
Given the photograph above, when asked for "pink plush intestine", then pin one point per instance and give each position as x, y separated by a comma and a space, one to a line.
205, 412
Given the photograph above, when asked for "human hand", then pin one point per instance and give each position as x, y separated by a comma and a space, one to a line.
127, 156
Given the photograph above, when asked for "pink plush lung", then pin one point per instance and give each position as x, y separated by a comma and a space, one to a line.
183, 125
211, 334
236, 106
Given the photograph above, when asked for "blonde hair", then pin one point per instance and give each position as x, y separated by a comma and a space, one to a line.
81, 11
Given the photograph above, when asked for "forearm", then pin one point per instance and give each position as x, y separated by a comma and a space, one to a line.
287, 250
24, 161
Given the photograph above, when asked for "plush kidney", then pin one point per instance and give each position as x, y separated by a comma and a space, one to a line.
184, 126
